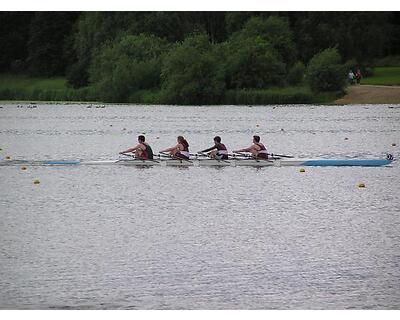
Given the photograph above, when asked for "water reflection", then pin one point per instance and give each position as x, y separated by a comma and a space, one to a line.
117, 237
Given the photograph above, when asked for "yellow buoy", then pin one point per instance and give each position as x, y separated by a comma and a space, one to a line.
361, 185
36, 181
393, 145
8, 158
23, 168
302, 170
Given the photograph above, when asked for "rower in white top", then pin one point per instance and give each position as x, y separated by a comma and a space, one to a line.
257, 149
181, 150
220, 152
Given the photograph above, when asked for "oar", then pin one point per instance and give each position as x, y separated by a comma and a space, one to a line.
270, 154
163, 155
208, 155
174, 157
279, 155
250, 156
242, 154
196, 155
132, 156
128, 155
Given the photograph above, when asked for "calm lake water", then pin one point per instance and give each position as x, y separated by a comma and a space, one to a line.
118, 237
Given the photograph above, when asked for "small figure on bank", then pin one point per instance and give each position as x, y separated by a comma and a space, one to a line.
358, 76
351, 77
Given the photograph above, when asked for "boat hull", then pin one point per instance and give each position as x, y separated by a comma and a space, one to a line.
213, 163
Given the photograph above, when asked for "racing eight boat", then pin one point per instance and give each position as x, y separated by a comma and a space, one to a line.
199, 162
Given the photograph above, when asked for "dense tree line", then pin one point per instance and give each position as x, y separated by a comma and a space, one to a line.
193, 57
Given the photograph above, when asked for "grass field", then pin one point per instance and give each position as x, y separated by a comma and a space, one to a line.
15, 82
24, 88
386, 76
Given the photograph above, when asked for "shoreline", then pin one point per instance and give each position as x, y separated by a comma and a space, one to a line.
355, 94
370, 94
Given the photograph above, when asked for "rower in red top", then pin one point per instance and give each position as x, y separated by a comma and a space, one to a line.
220, 152
181, 150
142, 150
257, 149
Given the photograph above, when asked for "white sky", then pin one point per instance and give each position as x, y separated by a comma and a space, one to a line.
199, 5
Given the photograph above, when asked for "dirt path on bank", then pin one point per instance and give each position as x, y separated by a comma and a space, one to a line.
359, 94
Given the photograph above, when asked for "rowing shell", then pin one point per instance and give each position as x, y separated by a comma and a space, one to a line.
212, 162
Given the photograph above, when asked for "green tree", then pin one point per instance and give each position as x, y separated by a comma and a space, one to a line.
296, 73
48, 33
325, 71
236, 20
359, 35
191, 73
251, 62
276, 31
95, 29
126, 65
14, 35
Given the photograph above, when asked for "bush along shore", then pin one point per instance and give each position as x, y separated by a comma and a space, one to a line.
288, 95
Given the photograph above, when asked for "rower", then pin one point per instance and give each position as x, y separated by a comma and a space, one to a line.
257, 149
142, 150
221, 153
181, 150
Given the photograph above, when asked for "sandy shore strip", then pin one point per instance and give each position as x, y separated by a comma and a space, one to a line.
369, 94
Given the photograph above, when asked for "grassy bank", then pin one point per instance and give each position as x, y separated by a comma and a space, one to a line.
386, 76
24, 88
288, 95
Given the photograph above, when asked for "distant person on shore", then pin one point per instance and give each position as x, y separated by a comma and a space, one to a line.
142, 150
257, 149
351, 77
181, 150
220, 152
358, 76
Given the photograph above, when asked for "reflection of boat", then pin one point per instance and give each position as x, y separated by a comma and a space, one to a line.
211, 162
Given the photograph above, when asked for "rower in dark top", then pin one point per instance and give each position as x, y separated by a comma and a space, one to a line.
257, 149
142, 150
181, 150
220, 152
